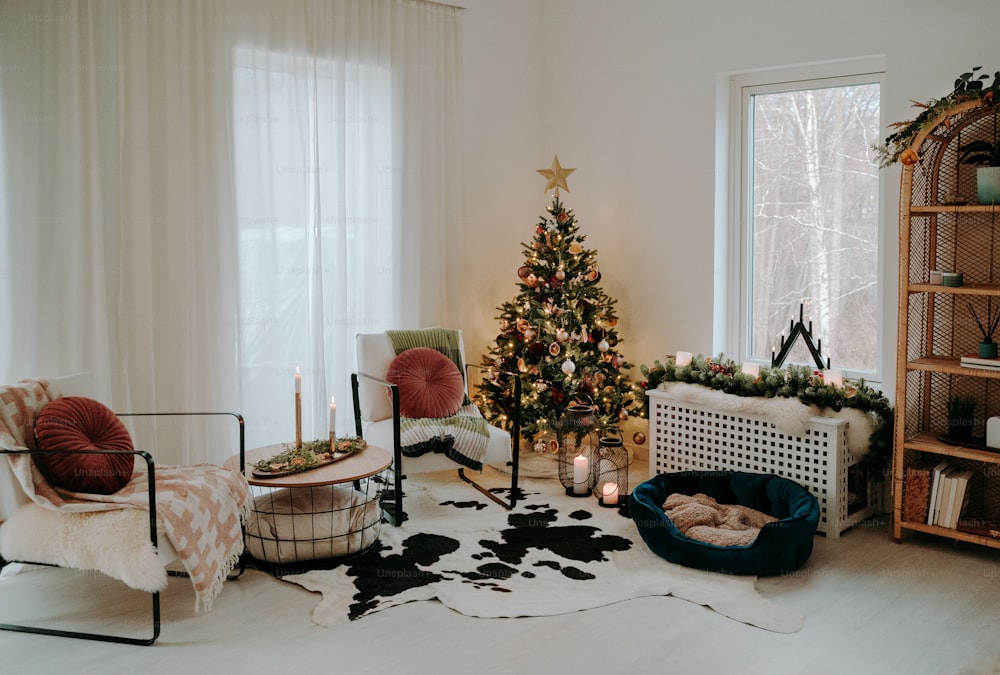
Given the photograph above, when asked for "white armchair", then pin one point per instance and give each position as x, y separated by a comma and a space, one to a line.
377, 418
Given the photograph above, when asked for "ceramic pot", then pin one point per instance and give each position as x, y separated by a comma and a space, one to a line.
988, 184
988, 350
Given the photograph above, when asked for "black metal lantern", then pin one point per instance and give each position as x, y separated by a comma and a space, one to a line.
578, 438
611, 472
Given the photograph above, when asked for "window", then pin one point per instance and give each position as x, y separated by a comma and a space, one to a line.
809, 215
314, 201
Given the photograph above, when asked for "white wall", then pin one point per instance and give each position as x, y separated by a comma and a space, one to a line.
625, 91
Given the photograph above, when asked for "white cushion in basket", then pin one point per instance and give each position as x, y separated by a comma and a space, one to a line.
293, 525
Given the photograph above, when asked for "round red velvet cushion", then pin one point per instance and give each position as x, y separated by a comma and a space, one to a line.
77, 423
430, 384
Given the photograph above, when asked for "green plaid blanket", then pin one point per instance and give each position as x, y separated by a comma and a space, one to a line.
463, 437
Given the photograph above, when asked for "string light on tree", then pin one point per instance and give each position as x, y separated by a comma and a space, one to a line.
560, 331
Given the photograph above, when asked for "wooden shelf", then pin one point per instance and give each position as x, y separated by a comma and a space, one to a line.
951, 533
928, 442
934, 318
950, 365
928, 209
968, 289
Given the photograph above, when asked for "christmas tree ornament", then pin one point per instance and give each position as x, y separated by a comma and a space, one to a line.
560, 274
569, 367
603, 345
561, 336
554, 349
523, 271
555, 176
529, 333
522, 325
537, 350
575, 249
638, 438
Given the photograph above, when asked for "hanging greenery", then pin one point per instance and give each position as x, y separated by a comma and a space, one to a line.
969, 86
793, 381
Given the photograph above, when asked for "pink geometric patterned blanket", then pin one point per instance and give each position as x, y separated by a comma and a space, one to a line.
200, 507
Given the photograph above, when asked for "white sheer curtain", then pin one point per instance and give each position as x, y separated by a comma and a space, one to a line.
201, 196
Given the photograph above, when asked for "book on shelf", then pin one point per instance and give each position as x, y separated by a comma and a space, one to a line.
947, 491
935, 497
959, 499
976, 361
917, 492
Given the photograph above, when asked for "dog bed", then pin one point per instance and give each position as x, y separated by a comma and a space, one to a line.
781, 546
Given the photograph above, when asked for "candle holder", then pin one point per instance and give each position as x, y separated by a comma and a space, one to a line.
578, 438
611, 473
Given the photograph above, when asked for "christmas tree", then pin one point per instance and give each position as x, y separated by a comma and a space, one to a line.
560, 333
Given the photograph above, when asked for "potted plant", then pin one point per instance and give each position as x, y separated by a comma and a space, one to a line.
986, 155
961, 417
987, 348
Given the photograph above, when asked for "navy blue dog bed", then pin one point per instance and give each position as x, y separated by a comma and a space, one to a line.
782, 546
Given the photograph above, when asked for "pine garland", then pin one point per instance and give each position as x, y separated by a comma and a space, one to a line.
793, 381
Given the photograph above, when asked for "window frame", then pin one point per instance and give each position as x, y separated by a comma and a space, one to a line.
738, 283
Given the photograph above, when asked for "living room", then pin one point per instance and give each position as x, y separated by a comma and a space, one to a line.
636, 97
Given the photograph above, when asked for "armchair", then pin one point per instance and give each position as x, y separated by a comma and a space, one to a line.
426, 443
119, 531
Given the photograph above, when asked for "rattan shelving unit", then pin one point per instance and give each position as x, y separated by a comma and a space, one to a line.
941, 227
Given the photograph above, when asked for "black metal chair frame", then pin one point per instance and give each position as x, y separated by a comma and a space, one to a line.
394, 512
151, 469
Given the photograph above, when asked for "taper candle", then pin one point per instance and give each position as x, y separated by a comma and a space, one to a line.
333, 421
298, 408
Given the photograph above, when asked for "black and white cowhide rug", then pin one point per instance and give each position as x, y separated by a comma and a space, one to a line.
552, 554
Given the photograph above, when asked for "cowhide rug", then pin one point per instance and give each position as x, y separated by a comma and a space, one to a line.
552, 554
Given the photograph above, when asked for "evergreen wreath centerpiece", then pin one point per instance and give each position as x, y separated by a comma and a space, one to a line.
559, 334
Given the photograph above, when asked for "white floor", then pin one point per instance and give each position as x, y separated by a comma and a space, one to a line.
871, 606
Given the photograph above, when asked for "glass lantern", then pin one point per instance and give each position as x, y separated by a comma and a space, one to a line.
611, 472
578, 438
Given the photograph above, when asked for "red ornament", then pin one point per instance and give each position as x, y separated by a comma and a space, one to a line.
561, 217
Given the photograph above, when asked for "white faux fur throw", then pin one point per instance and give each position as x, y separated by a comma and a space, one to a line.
113, 542
789, 415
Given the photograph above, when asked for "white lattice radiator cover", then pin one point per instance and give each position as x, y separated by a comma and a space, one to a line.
689, 436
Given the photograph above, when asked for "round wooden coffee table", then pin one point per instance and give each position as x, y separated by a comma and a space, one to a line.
325, 513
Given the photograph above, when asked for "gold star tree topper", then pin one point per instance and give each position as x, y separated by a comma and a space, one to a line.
555, 176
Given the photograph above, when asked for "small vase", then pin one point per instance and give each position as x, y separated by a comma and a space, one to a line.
988, 184
987, 349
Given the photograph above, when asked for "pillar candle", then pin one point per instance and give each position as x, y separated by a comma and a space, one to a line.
610, 493
834, 378
682, 359
581, 469
333, 418
751, 369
